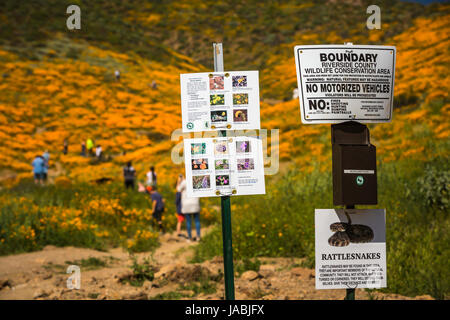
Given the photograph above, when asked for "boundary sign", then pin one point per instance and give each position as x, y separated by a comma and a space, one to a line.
339, 83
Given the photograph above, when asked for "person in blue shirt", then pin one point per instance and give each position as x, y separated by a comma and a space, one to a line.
38, 169
46, 157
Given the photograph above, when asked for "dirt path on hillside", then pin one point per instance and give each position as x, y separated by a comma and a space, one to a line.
41, 275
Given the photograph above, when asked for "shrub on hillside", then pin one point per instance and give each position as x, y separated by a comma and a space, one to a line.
434, 186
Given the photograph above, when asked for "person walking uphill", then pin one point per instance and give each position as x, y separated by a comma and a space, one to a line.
99, 152
151, 177
157, 206
129, 174
65, 147
46, 157
38, 169
180, 215
83, 149
190, 207
90, 146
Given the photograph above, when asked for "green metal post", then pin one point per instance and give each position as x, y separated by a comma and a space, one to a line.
227, 248
350, 295
225, 205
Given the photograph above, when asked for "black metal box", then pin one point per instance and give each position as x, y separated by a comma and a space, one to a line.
354, 174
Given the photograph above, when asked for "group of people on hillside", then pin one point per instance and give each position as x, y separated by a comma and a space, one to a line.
40, 168
152, 85
157, 201
187, 208
87, 148
129, 175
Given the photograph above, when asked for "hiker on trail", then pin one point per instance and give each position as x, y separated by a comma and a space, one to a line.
295, 93
158, 204
65, 146
90, 146
83, 149
154, 85
151, 177
98, 152
180, 215
129, 174
38, 169
117, 74
46, 157
190, 207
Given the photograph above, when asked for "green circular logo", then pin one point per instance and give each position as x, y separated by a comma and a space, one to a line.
190, 125
359, 180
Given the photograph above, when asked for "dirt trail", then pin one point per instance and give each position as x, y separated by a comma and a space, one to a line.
41, 275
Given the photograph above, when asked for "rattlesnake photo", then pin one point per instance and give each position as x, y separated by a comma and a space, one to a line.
346, 233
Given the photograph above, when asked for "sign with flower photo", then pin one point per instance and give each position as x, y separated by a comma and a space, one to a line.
224, 166
220, 101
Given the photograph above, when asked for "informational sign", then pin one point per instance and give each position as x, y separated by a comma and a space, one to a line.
340, 83
224, 166
350, 248
220, 100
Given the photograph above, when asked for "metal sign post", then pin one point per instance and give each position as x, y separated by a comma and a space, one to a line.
225, 205
350, 293
354, 169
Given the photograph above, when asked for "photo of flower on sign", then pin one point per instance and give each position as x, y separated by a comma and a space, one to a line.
222, 164
217, 100
240, 98
245, 164
198, 148
243, 146
201, 182
223, 180
216, 83
239, 81
219, 116
200, 164
240, 115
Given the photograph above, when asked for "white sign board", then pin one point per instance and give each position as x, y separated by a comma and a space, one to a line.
224, 166
220, 100
340, 83
350, 248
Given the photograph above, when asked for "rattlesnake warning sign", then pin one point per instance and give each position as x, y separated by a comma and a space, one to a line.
339, 83
350, 248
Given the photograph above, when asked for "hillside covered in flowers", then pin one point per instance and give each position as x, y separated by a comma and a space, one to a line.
61, 84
